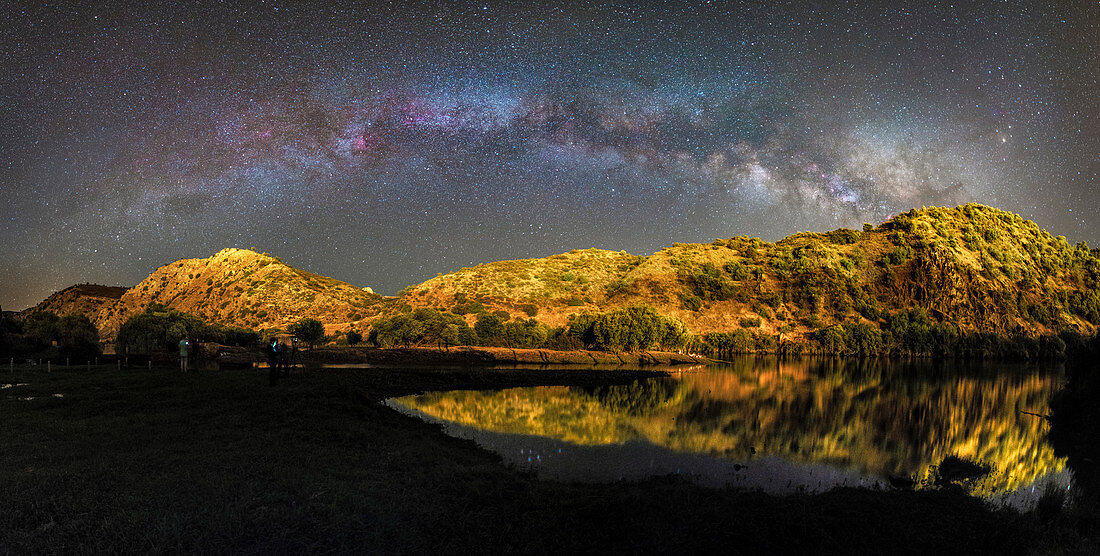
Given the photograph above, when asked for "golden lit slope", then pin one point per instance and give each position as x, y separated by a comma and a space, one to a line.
556, 286
977, 267
82, 299
239, 287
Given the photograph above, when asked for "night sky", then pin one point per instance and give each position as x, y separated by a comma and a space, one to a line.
382, 144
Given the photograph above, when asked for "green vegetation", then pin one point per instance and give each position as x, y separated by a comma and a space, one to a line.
709, 284
310, 331
75, 336
429, 327
726, 344
979, 282
915, 333
974, 272
629, 329
421, 327
160, 329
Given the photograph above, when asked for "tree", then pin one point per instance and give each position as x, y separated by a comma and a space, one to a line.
158, 329
9, 325
629, 328
833, 339
421, 327
489, 328
354, 337
42, 327
309, 331
78, 338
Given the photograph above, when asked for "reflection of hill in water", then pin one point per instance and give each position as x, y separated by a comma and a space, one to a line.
882, 418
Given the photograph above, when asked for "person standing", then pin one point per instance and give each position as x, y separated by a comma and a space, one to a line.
185, 353
273, 362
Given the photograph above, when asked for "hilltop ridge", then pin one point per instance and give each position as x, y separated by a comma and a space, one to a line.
978, 267
238, 287
84, 299
973, 266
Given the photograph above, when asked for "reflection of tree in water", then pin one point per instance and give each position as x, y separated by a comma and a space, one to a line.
640, 398
884, 418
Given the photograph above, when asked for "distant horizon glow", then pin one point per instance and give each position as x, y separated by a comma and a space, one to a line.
381, 146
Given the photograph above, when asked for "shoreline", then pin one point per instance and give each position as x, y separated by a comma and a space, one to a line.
385, 482
474, 356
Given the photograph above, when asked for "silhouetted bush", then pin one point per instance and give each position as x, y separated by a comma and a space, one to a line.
160, 329
78, 338
157, 329
354, 337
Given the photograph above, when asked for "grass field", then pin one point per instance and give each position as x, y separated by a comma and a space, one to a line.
158, 461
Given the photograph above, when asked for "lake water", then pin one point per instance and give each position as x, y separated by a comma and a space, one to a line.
780, 426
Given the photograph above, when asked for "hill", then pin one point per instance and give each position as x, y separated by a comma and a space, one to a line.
84, 299
235, 287
966, 269
976, 267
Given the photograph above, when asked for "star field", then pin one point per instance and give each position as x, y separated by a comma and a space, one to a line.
385, 143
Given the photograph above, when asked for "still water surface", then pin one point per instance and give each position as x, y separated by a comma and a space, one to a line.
778, 425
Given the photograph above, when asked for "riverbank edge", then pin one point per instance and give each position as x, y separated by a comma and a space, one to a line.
459, 356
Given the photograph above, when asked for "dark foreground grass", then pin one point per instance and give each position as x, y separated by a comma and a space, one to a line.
157, 461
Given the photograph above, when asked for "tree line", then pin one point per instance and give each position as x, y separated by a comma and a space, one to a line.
74, 335
160, 328
626, 329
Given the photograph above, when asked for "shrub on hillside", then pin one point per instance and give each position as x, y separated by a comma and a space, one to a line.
465, 307
737, 271
709, 283
691, 302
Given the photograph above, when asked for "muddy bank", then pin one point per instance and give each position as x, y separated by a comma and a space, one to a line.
461, 356
467, 355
